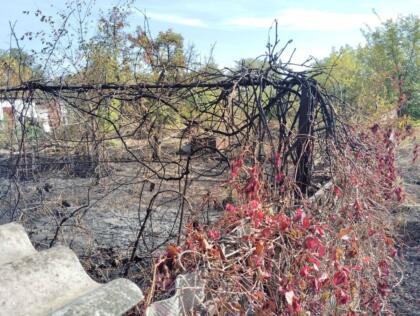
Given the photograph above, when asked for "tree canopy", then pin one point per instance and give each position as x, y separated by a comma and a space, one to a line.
382, 74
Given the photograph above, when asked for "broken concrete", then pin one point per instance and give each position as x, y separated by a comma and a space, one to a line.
53, 282
109, 299
189, 295
14, 243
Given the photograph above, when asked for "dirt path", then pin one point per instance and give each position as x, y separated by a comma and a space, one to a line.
406, 298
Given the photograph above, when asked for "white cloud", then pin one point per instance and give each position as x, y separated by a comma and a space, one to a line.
309, 20
251, 22
170, 18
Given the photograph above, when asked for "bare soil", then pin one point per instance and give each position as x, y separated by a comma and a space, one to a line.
103, 215
406, 296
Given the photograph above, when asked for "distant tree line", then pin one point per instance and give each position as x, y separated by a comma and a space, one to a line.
382, 74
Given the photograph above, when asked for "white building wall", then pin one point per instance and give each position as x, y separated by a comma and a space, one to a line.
30, 110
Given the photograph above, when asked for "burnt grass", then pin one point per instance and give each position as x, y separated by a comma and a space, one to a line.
406, 296
101, 209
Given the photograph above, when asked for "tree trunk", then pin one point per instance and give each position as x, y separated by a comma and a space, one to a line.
304, 146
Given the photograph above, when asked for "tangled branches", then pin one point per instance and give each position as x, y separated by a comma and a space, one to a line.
272, 108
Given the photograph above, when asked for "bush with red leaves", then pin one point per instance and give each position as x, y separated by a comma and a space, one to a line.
328, 255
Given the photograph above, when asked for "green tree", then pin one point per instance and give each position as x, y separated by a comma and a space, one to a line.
17, 66
394, 49
381, 75
107, 53
164, 59
347, 76
163, 55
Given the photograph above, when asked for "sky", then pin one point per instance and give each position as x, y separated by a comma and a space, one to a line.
238, 29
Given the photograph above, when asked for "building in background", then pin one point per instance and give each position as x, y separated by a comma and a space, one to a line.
46, 114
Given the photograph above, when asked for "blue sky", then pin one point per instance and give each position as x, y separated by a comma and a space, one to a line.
239, 29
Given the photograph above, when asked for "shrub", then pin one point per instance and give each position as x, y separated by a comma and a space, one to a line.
329, 254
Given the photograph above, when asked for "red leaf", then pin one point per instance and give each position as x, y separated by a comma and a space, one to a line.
319, 230
284, 221
304, 271
214, 234
383, 268
315, 262
311, 243
340, 277
258, 218
254, 205
321, 250
315, 246
280, 177
230, 208
393, 252
235, 167
342, 297
306, 222
296, 306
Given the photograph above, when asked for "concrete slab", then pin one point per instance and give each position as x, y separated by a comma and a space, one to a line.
14, 243
53, 282
107, 300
